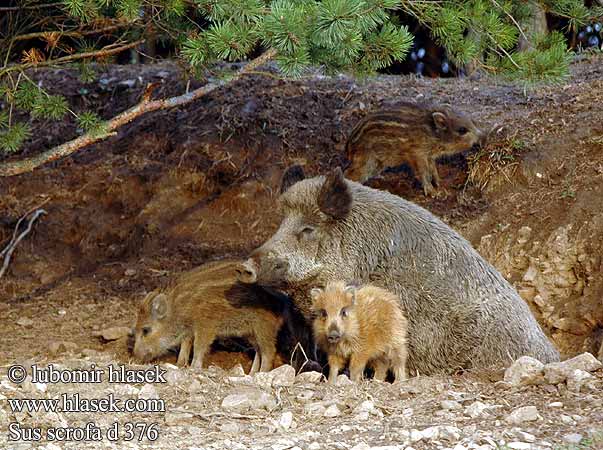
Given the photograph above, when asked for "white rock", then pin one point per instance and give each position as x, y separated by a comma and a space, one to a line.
519, 445
342, 380
555, 405
577, 379
247, 400
283, 376
369, 407
286, 420
245, 380
236, 371
113, 333
332, 411
262, 379
477, 409
314, 446
309, 377
25, 322
567, 420
230, 427
558, 372
148, 391
523, 414
361, 446
450, 405
51, 447
573, 438
316, 409
525, 370
526, 437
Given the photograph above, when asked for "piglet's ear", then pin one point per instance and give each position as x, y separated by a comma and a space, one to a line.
350, 292
159, 307
440, 120
335, 198
315, 293
291, 176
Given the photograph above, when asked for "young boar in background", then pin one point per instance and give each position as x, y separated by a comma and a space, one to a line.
462, 313
363, 326
206, 303
413, 134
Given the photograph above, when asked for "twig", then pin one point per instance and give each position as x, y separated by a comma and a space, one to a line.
28, 165
18, 8
8, 251
43, 34
106, 51
298, 345
512, 19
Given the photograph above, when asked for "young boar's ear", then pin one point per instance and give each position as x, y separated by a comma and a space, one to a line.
335, 198
291, 176
440, 119
350, 292
159, 307
315, 293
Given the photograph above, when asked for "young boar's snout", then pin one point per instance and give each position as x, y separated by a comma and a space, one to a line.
334, 335
262, 269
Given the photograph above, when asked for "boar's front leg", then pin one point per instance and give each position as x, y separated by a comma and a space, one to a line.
336, 363
203, 340
357, 364
185, 351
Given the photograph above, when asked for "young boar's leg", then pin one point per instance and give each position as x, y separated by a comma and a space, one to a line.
335, 365
380, 366
185, 351
203, 340
399, 368
267, 344
255, 366
357, 364
423, 171
433, 170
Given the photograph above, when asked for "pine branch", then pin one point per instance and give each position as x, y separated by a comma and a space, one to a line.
81, 33
144, 107
105, 51
20, 8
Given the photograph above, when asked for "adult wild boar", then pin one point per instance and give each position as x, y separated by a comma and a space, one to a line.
462, 312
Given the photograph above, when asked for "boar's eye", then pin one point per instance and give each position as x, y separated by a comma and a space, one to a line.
146, 331
307, 231
344, 312
462, 131
322, 314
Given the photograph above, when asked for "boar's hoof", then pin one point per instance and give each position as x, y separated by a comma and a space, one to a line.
246, 272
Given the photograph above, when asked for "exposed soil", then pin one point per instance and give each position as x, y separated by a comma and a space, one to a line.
182, 187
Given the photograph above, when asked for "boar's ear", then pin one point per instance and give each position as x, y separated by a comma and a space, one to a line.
335, 198
159, 307
315, 293
440, 119
350, 292
291, 176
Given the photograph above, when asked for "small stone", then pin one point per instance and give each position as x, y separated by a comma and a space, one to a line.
286, 420
577, 379
247, 400
309, 377
556, 405
558, 372
314, 446
523, 414
526, 437
361, 446
230, 427
524, 371
519, 445
332, 411
283, 376
113, 333
25, 322
573, 438
262, 379
315, 409
148, 391
236, 371
194, 387
50, 446
477, 409
57, 347
177, 417
246, 380
415, 435
450, 405
342, 380
567, 420
305, 396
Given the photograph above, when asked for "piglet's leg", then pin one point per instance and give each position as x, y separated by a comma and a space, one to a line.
255, 366
335, 365
380, 367
203, 339
357, 364
267, 343
185, 351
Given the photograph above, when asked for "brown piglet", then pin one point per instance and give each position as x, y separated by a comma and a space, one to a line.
365, 326
201, 305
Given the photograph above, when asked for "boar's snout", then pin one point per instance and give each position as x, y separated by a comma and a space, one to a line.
262, 269
247, 271
334, 336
